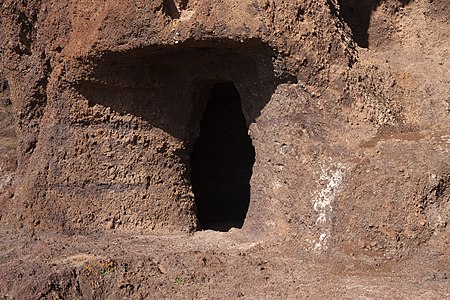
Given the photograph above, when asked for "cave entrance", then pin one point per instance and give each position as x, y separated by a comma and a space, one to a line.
222, 161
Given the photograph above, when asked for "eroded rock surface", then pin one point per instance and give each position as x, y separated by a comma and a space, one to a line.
346, 102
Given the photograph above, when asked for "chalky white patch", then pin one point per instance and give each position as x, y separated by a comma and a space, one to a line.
323, 203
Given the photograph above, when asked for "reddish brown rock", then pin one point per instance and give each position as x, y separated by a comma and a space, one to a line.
345, 103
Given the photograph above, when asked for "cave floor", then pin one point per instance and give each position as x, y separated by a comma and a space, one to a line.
205, 265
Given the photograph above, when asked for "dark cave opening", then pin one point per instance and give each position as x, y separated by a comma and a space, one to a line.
222, 161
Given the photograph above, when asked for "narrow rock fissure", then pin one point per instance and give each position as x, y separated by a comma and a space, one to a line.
222, 161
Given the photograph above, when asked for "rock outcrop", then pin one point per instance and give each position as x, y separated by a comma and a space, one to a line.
346, 105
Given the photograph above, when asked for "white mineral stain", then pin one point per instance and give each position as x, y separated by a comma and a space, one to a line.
323, 203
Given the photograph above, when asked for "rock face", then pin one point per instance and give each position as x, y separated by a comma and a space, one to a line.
8, 143
346, 104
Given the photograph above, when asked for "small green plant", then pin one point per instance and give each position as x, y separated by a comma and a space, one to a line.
179, 281
108, 267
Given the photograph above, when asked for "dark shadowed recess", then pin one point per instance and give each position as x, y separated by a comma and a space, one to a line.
165, 86
172, 9
357, 14
202, 93
222, 162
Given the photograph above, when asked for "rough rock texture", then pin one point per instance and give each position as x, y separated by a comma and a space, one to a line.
8, 142
346, 102
111, 117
